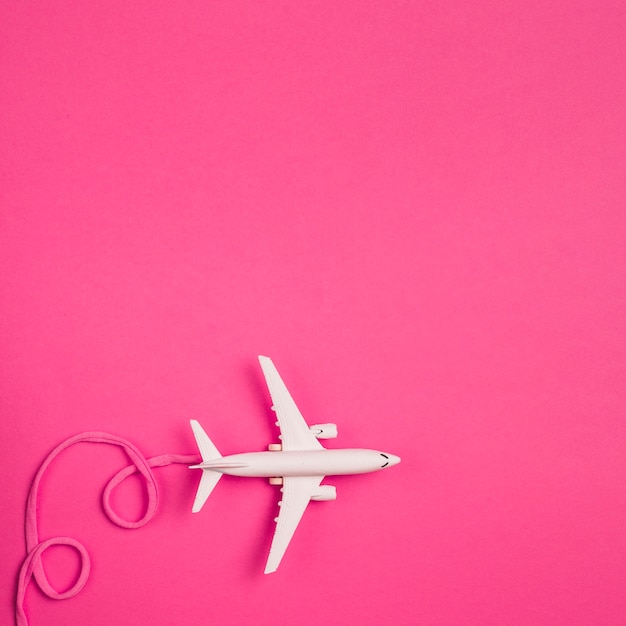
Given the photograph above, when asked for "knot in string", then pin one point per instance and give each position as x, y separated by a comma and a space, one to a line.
32, 567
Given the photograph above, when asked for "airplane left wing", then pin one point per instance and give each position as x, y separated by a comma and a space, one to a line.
295, 434
297, 492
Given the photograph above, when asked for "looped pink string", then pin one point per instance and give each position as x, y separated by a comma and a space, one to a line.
33, 565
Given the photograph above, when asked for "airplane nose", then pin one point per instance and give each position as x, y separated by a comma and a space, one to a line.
393, 459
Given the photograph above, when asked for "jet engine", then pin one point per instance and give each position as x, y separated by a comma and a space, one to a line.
325, 492
324, 431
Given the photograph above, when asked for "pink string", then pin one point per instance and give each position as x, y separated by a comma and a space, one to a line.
33, 565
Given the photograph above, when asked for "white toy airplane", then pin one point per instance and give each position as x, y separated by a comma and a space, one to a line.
299, 464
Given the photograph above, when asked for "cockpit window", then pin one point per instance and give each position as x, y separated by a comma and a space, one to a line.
386, 457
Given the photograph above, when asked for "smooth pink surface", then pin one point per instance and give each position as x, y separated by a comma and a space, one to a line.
416, 209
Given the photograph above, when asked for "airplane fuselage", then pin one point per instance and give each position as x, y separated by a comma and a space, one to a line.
302, 463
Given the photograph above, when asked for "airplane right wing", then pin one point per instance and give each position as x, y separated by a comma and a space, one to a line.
295, 433
297, 492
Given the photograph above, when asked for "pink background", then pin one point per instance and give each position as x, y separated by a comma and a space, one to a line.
416, 209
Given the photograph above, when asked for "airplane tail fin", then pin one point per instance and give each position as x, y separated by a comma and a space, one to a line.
209, 479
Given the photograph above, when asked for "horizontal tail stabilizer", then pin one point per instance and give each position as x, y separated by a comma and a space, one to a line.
208, 479
207, 482
207, 449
